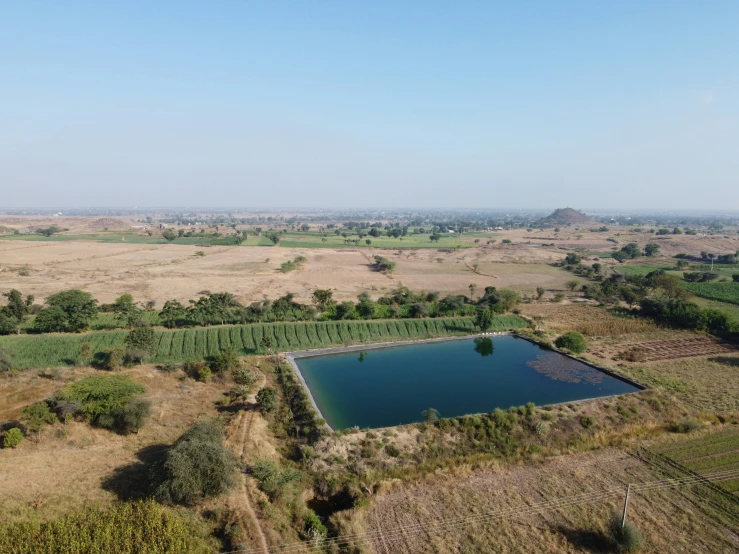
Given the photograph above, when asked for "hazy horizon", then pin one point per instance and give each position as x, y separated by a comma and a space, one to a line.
629, 106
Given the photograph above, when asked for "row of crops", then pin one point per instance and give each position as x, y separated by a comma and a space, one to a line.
722, 291
708, 454
50, 350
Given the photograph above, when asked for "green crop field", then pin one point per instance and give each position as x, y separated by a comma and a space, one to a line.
59, 349
106, 321
710, 453
315, 240
723, 292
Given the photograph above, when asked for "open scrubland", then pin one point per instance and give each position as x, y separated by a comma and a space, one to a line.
529, 478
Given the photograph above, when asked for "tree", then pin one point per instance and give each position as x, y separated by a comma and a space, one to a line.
431, 415
267, 399
196, 466
17, 306
13, 437
8, 323
346, 310
473, 289
126, 310
72, 311
572, 341
227, 361
323, 298
132, 416
651, 249
172, 313
597, 268
484, 319
572, 259
268, 343
169, 235
368, 242
572, 285
435, 237
539, 292
735, 277
507, 299
37, 416
419, 309
141, 340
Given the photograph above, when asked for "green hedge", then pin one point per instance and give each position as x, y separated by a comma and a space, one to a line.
51, 350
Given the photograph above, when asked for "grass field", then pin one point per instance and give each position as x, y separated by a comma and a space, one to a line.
316, 240
709, 453
51, 350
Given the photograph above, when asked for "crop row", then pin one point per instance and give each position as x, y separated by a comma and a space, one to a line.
51, 350
684, 455
723, 292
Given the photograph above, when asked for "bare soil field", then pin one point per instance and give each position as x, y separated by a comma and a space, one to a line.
403, 516
679, 348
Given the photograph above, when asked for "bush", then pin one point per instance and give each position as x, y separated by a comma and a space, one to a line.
114, 357
587, 421
13, 437
37, 416
272, 477
5, 363
141, 340
267, 398
627, 538
572, 341
243, 376
196, 466
204, 374
558, 297
392, 450
109, 401
687, 426
227, 360
314, 525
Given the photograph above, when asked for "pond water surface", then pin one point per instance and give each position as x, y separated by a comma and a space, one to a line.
391, 386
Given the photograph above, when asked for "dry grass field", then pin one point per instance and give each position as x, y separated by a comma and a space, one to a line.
404, 516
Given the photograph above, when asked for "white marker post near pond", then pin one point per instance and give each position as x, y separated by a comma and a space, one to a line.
626, 505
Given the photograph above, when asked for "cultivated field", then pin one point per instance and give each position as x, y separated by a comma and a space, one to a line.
411, 518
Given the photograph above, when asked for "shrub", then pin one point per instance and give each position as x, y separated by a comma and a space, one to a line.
572, 341
141, 340
192, 367
687, 426
196, 466
392, 450
109, 401
267, 399
272, 477
314, 525
5, 363
558, 297
587, 421
627, 538
243, 376
227, 360
37, 416
13, 437
204, 374
114, 357
168, 367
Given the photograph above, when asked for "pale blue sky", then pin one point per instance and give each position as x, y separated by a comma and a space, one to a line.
394, 104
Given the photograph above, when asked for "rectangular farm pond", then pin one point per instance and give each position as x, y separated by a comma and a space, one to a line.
392, 386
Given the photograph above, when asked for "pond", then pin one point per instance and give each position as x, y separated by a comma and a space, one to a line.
392, 386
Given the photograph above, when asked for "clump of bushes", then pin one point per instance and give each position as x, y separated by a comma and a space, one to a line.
627, 538
587, 421
572, 341
142, 526
273, 477
109, 401
196, 466
687, 426
267, 399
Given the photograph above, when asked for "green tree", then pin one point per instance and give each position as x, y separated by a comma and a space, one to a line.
71, 311
8, 322
268, 343
484, 319
13, 437
651, 249
572, 259
368, 242
132, 415
539, 292
507, 299
227, 361
196, 466
18, 306
127, 311
572, 341
473, 289
572, 285
141, 340
267, 399
169, 235
323, 298
37, 416
172, 313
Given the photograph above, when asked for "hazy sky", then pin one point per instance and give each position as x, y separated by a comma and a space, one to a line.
396, 104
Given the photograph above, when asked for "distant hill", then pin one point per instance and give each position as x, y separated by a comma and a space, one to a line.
565, 216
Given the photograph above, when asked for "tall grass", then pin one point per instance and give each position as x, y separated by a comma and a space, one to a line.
52, 350
125, 528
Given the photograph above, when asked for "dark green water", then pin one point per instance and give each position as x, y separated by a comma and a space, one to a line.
392, 386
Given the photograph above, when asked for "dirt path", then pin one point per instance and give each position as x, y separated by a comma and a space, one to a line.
246, 418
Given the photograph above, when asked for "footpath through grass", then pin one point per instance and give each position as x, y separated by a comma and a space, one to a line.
59, 349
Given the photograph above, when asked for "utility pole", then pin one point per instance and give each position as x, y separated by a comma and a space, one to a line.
626, 505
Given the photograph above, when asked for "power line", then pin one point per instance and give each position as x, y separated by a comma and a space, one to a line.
453, 523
